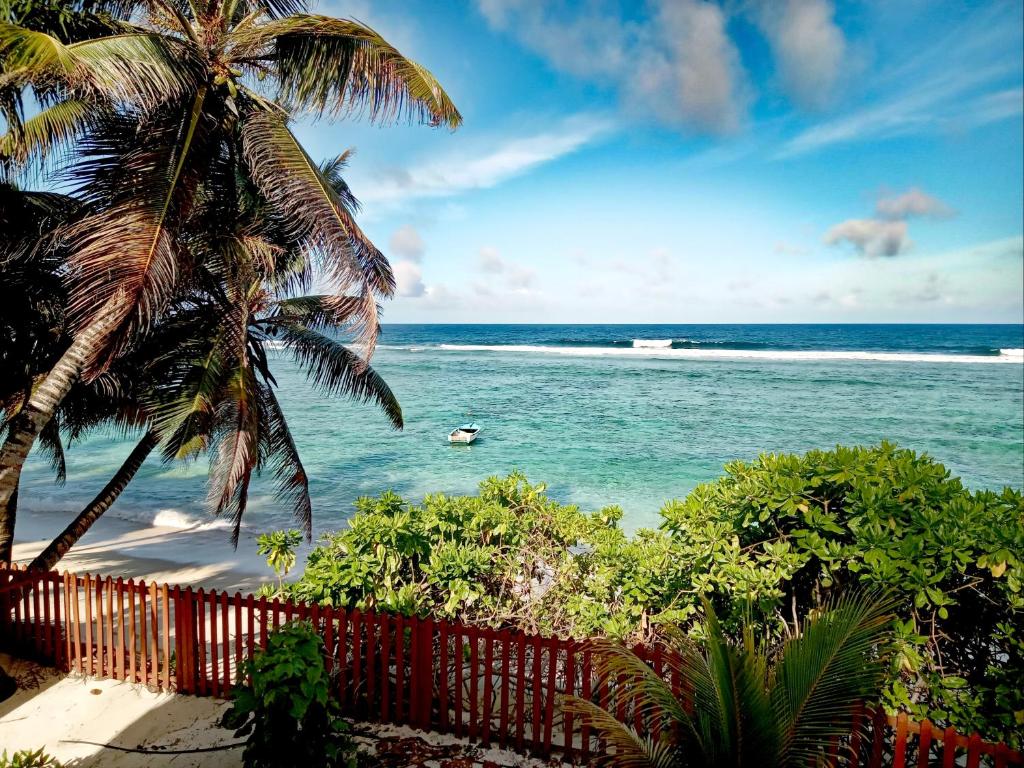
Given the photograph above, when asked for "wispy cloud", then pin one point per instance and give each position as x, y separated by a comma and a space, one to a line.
485, 164
913, 202
933, 105
957, 81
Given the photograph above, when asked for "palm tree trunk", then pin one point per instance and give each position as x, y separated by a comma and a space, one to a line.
57, 548
24, 428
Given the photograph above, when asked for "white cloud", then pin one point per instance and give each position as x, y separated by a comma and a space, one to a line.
678, 65
409, 277
808, 45
483, 167
953, 82
886, 234
913, 202
490, 260
871, 237
407, 243
513, 276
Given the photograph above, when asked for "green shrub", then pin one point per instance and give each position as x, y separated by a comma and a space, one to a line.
880, 517
771, 539
286, 709
25, 758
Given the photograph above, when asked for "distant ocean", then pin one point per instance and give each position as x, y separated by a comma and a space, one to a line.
612, 414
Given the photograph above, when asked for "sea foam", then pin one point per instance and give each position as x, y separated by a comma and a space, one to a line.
652, 343
667, 353
170, 518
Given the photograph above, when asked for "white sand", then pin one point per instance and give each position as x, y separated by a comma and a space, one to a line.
117, 547
73, 718
63, 711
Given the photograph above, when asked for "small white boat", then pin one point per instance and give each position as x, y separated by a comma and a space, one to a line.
467, 433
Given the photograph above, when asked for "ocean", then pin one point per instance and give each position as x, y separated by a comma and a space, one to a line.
608, 414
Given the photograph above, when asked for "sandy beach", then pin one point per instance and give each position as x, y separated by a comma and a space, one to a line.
198, 556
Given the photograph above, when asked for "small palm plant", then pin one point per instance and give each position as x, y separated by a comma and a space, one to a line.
749, 707
279, 547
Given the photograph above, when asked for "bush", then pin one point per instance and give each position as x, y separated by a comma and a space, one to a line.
879, 517
771, 539
25, 758
286, 709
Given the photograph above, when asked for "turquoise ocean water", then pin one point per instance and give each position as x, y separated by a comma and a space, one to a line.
627, 415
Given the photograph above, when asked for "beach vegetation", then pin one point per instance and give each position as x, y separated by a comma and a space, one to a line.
29, 758
279, 549
284, 708
748, 702
768, 543
172, 131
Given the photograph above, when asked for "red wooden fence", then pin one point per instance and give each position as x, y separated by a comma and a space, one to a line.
498, 687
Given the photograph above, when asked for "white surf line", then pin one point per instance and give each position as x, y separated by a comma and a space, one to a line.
1007, 356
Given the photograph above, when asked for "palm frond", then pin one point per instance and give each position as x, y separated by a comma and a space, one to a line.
340, 66
318, 313
283, 457
52, 128
307, 202
275, 9
51, 445
137, 68
729, 694
236, 453
643, 692
337, 370
128, 247
837, 662
627, 748
184, 402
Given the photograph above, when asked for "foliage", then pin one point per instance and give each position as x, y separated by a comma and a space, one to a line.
279, 547
285, 707
882, 517
751, 706
25, 758
772, 539
169, 124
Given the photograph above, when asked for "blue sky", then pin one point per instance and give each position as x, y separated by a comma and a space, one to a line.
692, 161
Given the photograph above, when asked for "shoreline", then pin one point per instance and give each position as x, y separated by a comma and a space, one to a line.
196, 556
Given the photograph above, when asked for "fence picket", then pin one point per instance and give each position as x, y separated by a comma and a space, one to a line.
385, 667
443, 674
924, 743
488, 686
400, 688
506, 648
949, 748
457, 656
474, 650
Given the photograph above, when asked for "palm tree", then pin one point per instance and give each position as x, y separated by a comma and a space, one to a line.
157, 117
748, 707
201, 378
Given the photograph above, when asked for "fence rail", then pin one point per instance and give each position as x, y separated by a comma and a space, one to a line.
495, 687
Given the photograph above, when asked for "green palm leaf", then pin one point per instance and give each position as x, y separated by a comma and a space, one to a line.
341, 66
628, 749
143, 69
54, 127
824, 673
337, 370
283, 457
